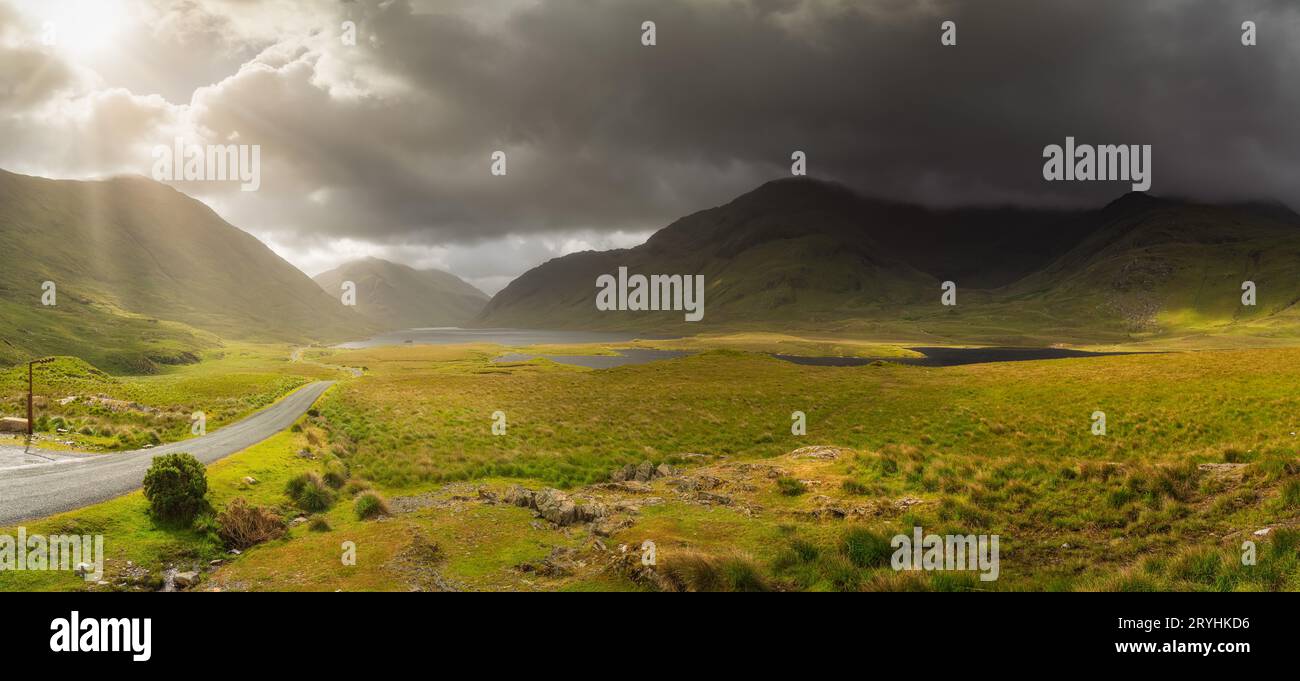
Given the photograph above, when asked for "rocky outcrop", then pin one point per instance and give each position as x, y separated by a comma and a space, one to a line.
816, 452
555, 506
645, 472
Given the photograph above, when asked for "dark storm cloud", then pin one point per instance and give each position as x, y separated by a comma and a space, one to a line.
388, 142
605, 133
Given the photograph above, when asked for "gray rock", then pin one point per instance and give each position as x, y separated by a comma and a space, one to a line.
185, 580
816, 452
627, 472
555, 506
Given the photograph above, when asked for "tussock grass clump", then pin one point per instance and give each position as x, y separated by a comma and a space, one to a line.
355, 487
242, 525
691, 571
858, 488
336, 474
309, 492
790, 487
319, 524
845, 566
370, 505
1290, 495
864, 548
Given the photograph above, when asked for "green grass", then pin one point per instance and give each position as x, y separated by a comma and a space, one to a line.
1000, 449
227, 385
997, 448
131, 534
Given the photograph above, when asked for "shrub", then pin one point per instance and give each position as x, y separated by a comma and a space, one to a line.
319, 524
865, 548
790, 487
241, 525
370, 505
176, 486
309, 492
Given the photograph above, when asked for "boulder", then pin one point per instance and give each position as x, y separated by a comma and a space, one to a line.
185, 580
712, 498
627, 472
816, 452
554, 505
645, 472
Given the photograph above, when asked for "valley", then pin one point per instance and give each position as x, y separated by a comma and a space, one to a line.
1199, 455
826, 402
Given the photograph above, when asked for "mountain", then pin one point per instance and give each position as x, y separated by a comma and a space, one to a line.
791, 248
1154, 264
811, 254
395, 296
144, 275
797, 250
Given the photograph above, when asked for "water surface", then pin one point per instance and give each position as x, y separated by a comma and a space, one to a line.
449, 335
951, 357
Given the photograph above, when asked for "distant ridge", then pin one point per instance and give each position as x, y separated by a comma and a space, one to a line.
395, 296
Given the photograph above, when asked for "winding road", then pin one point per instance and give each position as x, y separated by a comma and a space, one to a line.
38, 483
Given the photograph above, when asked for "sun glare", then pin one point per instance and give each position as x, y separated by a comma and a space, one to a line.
82, 27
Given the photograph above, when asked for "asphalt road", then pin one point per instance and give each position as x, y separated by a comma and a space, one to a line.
40, 483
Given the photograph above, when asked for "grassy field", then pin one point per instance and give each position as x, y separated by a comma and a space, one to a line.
125, 412
1198, 455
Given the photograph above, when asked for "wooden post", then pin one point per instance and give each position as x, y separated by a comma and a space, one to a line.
29, 398
30, 424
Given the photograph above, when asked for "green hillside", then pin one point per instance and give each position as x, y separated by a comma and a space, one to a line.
802, 254
790, 251
395, 296
145, 276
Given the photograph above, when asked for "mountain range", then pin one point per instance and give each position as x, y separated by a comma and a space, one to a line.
811, 254
147, 276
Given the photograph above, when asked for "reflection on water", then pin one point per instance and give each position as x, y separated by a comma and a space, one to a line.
949, 357
449, 335
934, 356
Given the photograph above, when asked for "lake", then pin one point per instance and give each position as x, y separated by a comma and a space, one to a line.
449, 335
950, 357
934, 356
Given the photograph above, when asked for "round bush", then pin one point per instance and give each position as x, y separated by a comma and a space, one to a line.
176, 486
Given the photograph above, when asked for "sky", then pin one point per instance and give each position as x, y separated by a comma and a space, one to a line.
382, 146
